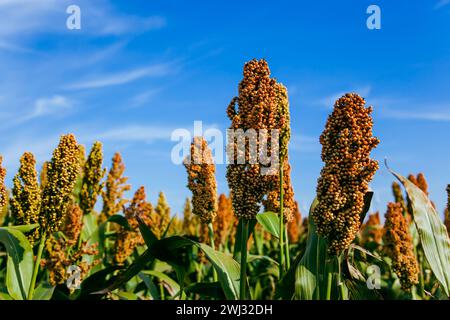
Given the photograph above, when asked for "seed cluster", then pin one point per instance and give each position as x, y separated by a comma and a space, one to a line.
399, 246
128, 240
62, 173
3, 193
372, 231
262, 104
223, 220
189, 220
399, 198
93, 174
346, 145
272, 201
72, 224
61, 255
26, 195
293, 227
202, 180
421, 183
161, 216
116, 185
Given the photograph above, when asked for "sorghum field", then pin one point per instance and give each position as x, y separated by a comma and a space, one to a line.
68, 231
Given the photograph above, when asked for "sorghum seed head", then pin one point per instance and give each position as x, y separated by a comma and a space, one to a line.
26, 195
116, 185
346, 145
223, 221
91, 185
262, 104
128, 240
3, 193
293, 227
372, 230
399, 246
202, 180
62, 173
72, 224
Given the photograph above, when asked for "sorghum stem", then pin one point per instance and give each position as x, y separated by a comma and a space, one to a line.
286, 244
282, 257
211, 240
243, 280
36, 266
329, 283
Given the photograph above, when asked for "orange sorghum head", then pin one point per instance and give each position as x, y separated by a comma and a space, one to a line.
262, 104
93, 173
128, 240
73, 224
399, 246
346, 145
115, 186
447, 210
202, 180
3, 193
223, 221
26, 195
272, 201
372, 230
293, 227
62, 173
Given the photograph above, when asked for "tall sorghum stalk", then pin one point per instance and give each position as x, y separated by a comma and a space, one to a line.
262, 105
62, 173
202, 183
3, 192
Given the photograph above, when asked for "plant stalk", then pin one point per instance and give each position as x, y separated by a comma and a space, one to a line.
243, 279
36, 266
329, 284
211, 240
282, 248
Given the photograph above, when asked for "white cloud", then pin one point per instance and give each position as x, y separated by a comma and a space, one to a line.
441, 3
44, 106
416, 115
157, 70
329, 101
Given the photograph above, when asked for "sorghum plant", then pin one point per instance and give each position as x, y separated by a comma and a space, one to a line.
3, 193
346, 145
399, 247
161, 216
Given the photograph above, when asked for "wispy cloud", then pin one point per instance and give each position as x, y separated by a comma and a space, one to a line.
45, 106
416, 115
157, 70
329, 101
441, 3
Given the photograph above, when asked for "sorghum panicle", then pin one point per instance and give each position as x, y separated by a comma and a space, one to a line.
3, 193
202, 180
26, 195
262, 104
223, 220
293, 227
128, 240
399, 246
73, 224
372, 230
161, 216
116, 185
346, 145
272, 201
61, 177
92, 186
189, 223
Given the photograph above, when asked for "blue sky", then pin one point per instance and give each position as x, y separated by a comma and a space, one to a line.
139, 69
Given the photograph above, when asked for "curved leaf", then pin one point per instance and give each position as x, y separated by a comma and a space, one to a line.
172, 286
20, 262
270, 222
24, 228
432, 232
